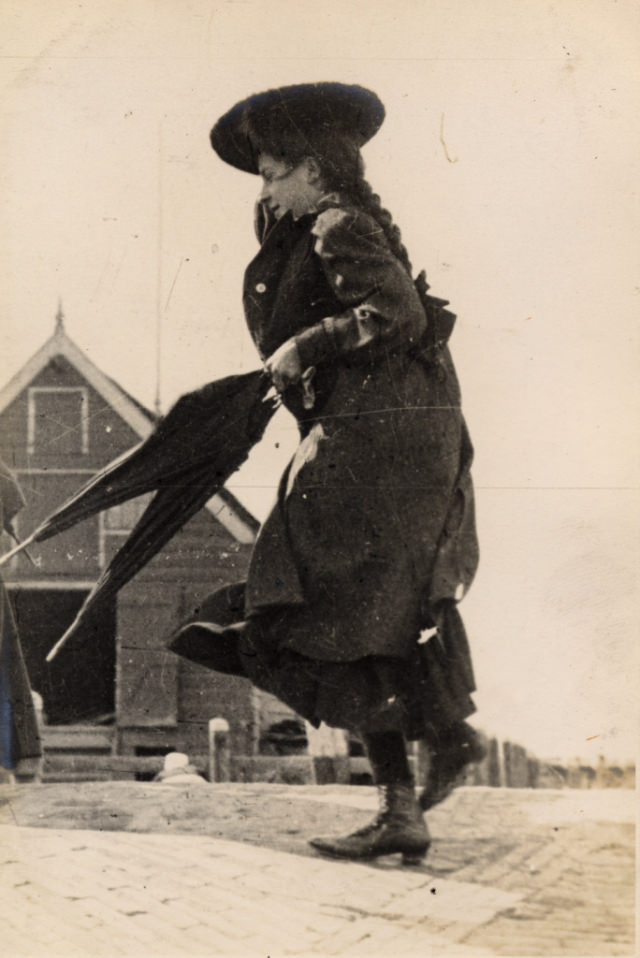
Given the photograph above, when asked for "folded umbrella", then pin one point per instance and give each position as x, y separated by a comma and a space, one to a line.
168, 511
212, 428
188, 457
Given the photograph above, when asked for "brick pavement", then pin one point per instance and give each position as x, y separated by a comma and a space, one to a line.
108, 869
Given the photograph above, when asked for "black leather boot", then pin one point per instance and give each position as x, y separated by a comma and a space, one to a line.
450, 755
398, 828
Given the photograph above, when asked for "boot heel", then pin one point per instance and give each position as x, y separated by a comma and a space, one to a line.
399, 829
414, 858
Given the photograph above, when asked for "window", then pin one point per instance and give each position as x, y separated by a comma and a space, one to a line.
58, 420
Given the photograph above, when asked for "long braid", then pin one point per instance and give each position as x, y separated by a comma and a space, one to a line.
362, 191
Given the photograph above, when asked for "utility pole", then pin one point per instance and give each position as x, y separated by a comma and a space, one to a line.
159, 310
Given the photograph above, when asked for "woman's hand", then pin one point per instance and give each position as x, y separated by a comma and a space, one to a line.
284, 365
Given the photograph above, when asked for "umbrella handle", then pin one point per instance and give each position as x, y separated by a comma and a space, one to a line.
272, 396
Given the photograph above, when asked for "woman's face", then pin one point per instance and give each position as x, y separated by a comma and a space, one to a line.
288, 188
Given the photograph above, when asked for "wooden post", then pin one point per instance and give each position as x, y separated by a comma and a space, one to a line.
219, 752
495, 764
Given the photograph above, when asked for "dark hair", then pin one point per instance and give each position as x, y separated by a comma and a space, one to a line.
342, 169
370, 202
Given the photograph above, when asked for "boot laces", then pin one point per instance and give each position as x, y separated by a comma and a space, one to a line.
381, 818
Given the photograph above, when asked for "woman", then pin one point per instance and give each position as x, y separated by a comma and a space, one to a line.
372, 538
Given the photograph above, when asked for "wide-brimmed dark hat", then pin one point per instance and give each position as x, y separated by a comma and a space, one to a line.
292, 117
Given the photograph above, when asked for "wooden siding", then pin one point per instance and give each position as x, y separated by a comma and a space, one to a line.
146, 673
162, 702
73, 554
57, 469
155, 687
204, 695
109, 435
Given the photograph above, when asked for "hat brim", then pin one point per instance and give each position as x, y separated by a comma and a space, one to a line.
307, 109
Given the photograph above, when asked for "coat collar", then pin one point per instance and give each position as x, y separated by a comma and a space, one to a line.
264, 226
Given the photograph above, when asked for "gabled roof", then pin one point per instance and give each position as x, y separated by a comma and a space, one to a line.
224, 505
135, 415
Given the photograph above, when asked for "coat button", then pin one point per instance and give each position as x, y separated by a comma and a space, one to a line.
261, 288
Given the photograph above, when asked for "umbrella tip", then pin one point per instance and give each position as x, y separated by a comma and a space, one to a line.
61, 641
19, 547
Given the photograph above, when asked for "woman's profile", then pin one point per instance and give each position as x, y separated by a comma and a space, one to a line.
349, 611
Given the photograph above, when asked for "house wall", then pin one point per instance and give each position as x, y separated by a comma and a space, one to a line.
56, 435
155, 687
54, 468
109, 434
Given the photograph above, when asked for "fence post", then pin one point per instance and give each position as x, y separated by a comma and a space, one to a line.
496, 764
219, 751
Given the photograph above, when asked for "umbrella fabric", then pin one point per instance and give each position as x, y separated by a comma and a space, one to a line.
192, 452
206, 429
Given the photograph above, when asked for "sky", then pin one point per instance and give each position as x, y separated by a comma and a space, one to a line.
509, 159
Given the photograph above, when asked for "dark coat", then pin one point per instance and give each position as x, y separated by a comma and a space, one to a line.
19, 734
374, 523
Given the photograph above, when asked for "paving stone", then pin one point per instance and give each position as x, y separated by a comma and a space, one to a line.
513, 872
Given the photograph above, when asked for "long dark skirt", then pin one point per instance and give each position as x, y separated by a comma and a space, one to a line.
427, 690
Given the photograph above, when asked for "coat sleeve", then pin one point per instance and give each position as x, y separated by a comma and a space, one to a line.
382, 308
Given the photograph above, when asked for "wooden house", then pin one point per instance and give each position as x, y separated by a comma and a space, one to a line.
61, 420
